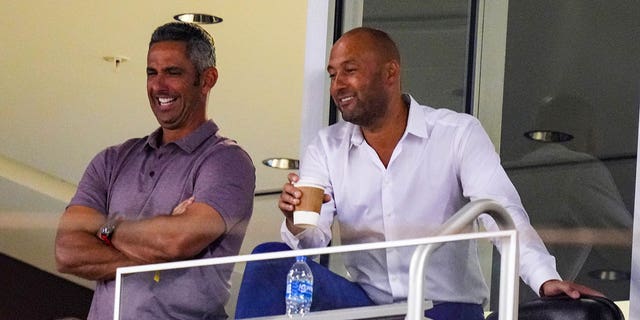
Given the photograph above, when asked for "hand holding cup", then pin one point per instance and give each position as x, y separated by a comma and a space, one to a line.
307, 212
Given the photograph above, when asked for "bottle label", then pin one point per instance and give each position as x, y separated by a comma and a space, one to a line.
300, 288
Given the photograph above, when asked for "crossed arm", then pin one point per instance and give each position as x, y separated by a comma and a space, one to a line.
190, 228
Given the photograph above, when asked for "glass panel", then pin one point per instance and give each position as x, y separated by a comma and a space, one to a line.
571, 82
432, 37
259, 282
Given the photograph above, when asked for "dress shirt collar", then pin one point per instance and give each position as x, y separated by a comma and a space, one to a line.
415, 122
188, 143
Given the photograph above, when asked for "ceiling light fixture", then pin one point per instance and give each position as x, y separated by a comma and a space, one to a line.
281, 163
200, 18
610, 275
548, 136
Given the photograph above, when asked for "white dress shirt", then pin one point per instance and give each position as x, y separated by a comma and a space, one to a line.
443, 160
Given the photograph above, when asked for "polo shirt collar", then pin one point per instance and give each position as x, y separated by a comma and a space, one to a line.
188, 143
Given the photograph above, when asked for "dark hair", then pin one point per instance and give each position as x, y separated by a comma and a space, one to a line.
200, 46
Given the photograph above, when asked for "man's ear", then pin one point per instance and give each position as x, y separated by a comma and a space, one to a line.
209, 79
393, 71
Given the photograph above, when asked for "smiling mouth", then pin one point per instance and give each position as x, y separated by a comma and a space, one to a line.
165, 101
346, 99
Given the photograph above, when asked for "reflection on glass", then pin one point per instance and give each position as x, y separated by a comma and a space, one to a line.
565, 72
573, 201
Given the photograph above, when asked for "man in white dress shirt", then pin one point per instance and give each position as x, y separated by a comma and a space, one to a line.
393, 170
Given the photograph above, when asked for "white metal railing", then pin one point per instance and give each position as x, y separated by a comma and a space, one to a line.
457, 223
506, 239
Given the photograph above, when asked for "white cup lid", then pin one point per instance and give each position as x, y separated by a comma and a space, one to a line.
309, 182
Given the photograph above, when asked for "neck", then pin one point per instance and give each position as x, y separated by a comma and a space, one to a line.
385, 136
172, 135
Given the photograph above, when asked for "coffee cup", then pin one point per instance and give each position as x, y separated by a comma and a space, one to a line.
307, 213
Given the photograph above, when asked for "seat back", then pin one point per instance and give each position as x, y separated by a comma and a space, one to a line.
566, 308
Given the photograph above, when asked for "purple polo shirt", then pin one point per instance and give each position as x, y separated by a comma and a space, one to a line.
142, 178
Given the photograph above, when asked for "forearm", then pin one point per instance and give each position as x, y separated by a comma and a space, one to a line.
169, 237
84, 255
151, 240
79, 251
536, 265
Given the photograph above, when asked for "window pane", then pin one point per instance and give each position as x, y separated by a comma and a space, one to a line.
572, 70
432, 37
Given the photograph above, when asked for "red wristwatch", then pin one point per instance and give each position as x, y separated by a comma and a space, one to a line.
106, 232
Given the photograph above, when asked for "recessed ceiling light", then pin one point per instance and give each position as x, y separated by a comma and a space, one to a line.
281, 163
548, 136
610, 275
201, 18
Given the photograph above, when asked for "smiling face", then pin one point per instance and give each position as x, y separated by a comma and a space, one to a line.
177, 92
358, 83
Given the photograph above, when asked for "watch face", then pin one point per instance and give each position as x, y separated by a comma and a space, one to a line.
107, 229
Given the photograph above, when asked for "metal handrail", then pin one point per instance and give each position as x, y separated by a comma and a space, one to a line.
507, 237
456, 224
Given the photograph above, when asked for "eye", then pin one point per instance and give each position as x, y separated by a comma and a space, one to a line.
151, 72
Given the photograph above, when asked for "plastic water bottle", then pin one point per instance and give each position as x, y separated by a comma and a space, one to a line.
299, 288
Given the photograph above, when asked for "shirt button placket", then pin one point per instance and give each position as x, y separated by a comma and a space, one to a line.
387, 202
390, 233
152, 169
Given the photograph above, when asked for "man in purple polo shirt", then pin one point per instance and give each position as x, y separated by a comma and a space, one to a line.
183, 192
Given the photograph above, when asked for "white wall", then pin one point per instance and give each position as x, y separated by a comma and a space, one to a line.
62, 102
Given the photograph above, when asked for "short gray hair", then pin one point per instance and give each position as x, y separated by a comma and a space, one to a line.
200, 46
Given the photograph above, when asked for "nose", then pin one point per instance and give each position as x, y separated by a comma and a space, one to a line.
156, 82
336, 82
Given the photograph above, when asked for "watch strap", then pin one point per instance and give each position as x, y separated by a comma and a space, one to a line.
106, 232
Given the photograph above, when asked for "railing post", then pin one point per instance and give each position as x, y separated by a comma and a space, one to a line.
457, 223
